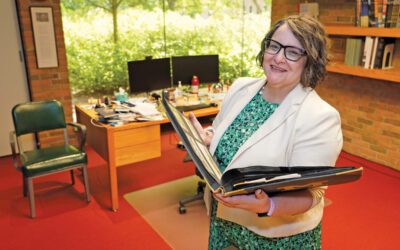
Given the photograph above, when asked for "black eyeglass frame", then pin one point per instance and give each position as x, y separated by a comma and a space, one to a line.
268, 41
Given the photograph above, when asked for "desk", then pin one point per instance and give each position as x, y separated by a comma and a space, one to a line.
126, 144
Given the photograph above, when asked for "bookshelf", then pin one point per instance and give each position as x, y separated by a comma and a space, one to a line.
344, 30
392, 75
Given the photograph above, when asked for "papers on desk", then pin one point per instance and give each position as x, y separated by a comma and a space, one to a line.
147, 112
87, 106
123, 113
136, 100
145, 109
150, 118
127, 117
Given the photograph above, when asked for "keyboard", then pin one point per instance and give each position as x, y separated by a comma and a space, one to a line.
194, 107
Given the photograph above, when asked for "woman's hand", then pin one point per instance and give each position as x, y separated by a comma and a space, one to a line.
205, 135
258, 202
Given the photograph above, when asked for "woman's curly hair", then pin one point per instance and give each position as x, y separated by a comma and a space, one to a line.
312, 36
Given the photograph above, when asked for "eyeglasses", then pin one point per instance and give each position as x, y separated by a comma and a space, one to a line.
291, 53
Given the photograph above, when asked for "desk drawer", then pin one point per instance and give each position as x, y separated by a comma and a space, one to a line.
136, 136
136, 153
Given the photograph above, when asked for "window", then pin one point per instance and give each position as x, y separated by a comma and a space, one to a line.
98, 49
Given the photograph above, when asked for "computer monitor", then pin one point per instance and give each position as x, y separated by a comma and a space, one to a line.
205, 67
149, 75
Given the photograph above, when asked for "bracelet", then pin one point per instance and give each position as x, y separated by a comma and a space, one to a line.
270, 211
271, 207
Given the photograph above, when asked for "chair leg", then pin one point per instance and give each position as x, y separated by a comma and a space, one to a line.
72, 176
86, 182
24, 186
198, 196
31, 197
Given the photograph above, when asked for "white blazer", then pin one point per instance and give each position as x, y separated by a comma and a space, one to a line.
303, 131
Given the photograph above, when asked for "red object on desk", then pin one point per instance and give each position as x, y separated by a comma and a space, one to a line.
195, 85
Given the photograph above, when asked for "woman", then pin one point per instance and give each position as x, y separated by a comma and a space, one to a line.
276, 121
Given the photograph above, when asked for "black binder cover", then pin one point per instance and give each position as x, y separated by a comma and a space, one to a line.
248, 179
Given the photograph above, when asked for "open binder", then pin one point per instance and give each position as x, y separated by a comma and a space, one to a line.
247, 180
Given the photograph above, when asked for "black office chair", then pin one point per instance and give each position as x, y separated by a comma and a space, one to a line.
200, 190
34, 117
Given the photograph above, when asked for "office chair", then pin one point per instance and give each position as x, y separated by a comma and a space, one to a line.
34, 117
200, 190
200, 185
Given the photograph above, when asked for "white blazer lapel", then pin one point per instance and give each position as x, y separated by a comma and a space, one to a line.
286, 109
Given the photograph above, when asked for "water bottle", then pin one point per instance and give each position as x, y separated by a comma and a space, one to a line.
178, 91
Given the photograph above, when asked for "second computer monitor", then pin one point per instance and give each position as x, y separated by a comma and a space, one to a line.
205, 67
149, 75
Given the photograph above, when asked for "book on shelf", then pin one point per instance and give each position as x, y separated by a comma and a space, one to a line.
353, 51
358, 13
394, 17
372, 13
311, 9
396, 22
373, 52
389, 7
271, 179
392, 13
364, 14
377, 64
358, 51
381, 10
348, 57
377, 13
368, 45
384, 13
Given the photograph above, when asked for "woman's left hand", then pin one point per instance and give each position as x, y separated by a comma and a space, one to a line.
258, 202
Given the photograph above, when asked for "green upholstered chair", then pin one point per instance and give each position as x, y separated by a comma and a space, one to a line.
35, 117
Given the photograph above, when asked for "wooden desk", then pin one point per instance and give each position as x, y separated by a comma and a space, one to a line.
126, 144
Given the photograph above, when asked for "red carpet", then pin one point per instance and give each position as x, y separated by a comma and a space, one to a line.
65, 221
364, 215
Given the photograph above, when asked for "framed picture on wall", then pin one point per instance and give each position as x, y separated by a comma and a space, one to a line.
44, 37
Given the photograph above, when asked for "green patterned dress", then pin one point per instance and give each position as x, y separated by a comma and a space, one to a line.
225, 233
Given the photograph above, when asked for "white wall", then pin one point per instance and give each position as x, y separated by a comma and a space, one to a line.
13, 83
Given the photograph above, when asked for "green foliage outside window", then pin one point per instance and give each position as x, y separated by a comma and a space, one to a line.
98, 64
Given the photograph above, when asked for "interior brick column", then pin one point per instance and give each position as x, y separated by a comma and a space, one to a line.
49, 83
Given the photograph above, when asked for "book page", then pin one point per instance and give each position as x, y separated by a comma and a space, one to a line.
192, 141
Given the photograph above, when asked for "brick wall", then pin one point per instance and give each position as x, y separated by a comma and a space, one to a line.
369, 108
52, 83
